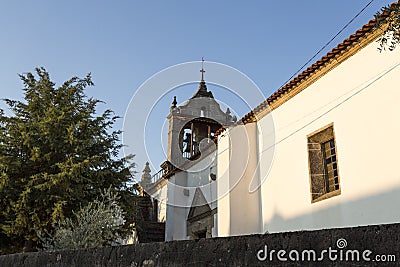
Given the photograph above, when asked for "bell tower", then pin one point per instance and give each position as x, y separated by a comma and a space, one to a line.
193, 124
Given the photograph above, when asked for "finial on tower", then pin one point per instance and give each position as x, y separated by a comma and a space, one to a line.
202, 91
146, 176
202, 69
174, 103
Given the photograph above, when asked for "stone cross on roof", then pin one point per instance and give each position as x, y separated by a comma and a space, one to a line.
202, 69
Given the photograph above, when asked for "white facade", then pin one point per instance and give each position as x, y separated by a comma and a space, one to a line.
181, 188
176, 194
361, 97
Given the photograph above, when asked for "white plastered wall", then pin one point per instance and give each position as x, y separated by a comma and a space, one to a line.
181, 188
361, 97
239, 204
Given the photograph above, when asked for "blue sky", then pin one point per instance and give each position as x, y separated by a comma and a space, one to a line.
123, 43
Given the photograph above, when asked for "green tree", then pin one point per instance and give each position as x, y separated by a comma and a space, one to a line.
388, 19
56, 155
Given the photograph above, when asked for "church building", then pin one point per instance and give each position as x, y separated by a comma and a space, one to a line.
329, 161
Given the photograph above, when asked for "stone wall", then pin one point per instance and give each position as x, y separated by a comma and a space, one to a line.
369, 241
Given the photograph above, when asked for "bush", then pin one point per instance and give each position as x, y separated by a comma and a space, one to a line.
94, 225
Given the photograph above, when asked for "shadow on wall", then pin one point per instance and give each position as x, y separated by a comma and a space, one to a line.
381, 208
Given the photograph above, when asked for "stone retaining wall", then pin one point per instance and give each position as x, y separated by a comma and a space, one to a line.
381, 242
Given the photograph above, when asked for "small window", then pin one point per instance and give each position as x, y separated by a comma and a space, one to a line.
203, 112
323, 164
